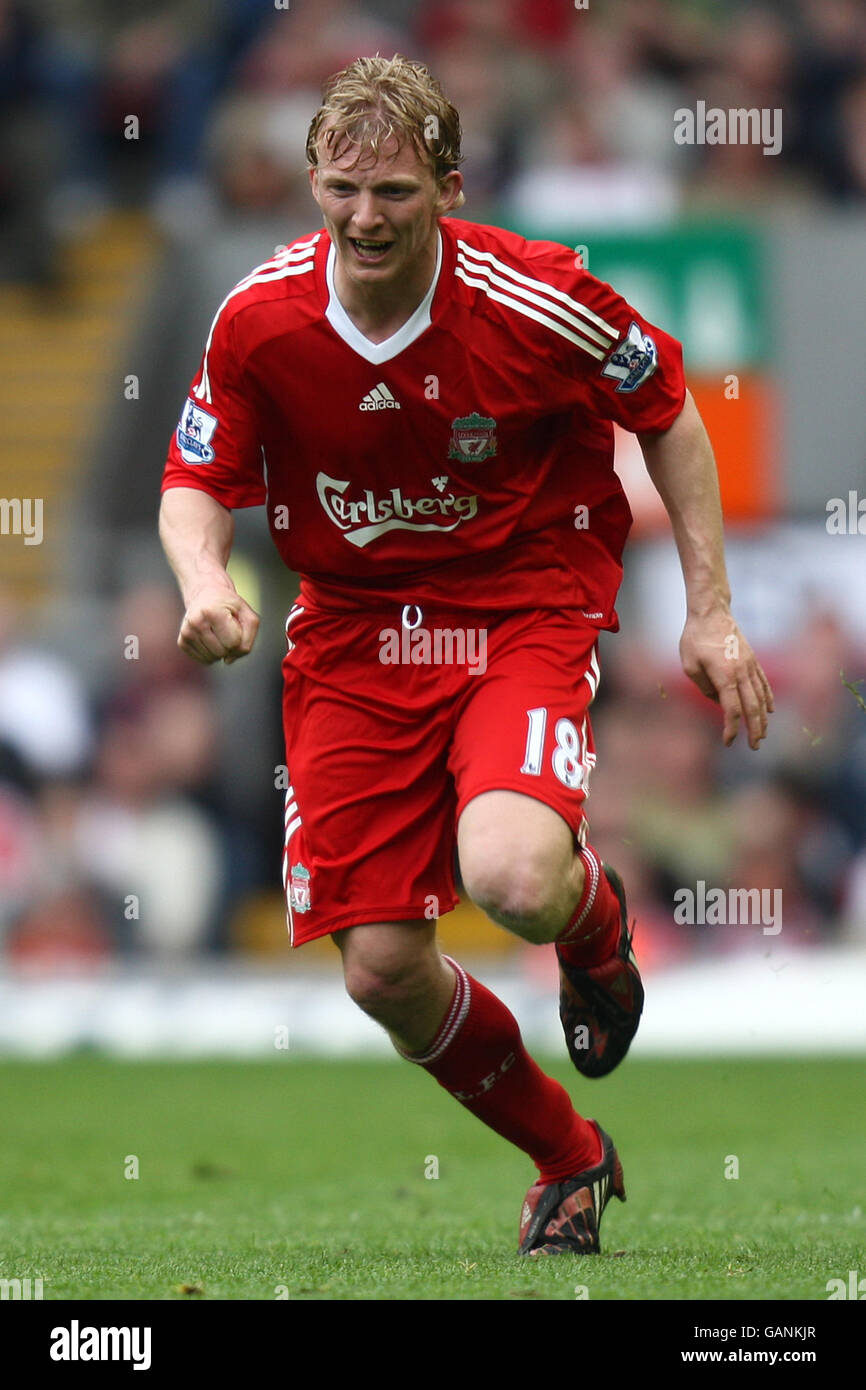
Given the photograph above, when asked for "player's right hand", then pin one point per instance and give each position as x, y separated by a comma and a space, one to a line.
218, 626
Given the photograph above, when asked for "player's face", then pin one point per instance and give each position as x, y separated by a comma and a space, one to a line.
382, 217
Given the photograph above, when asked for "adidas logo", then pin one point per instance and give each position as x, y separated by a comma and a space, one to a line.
379, 398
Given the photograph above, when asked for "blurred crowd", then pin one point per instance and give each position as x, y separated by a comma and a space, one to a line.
126, 825
672, 807
197, 111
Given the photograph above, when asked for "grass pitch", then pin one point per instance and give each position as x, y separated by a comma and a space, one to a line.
306, 1179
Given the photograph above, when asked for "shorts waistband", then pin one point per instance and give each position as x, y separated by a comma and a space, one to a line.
402, 609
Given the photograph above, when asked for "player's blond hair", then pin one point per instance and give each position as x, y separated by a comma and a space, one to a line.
375, 98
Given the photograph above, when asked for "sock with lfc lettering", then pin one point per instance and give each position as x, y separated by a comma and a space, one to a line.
592, 935
479, 1057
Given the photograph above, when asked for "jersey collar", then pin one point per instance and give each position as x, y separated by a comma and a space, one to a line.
413, 327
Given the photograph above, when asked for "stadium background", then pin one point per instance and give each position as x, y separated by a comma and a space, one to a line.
150, 156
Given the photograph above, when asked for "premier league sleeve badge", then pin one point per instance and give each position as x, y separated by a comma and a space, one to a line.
632, 361
195, 432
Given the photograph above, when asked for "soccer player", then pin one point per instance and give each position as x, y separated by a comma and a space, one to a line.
426, 407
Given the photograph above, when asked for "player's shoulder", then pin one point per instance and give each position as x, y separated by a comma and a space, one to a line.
483, 236
547, 261
543, 281
287, 276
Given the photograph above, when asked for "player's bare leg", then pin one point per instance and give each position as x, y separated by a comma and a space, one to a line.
394, 972
519, 863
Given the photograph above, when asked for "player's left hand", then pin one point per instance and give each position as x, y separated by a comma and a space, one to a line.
717, 657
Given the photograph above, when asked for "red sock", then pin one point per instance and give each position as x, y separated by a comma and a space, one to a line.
592, 935
478, 1055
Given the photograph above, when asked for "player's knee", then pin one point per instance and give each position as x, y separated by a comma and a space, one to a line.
517, 895
378, 988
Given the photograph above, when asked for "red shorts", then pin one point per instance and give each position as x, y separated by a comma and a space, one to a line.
392, 729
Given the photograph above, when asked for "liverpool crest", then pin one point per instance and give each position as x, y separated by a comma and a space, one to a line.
299, 889
472, 437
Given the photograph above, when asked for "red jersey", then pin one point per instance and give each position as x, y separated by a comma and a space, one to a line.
467, 460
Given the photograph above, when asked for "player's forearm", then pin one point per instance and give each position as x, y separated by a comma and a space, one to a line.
683, 470
196, 534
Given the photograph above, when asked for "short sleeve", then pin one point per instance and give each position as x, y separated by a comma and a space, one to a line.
215, 447
637, 381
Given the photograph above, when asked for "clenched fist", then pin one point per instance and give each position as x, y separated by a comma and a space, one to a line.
218, 626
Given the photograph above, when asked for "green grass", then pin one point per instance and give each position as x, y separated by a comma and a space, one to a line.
310, 1175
